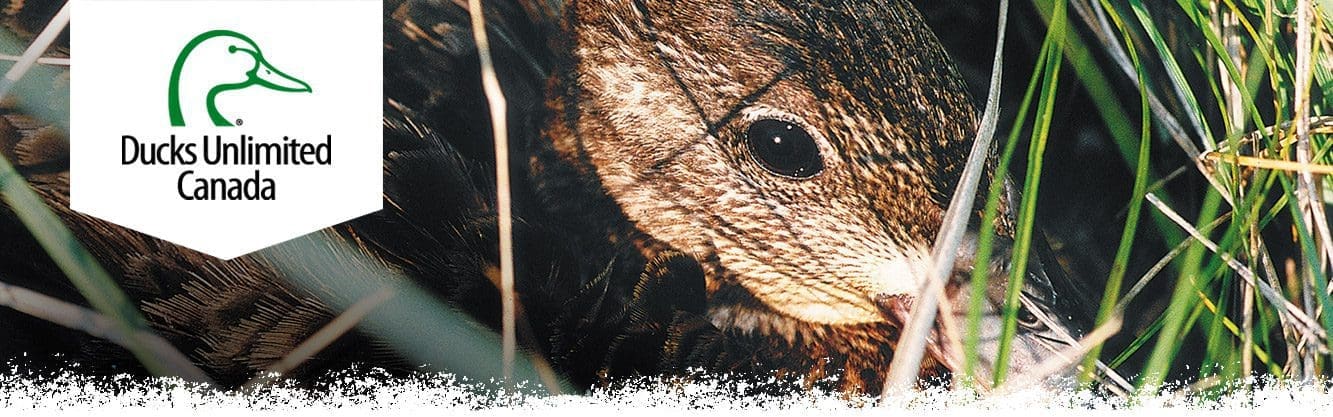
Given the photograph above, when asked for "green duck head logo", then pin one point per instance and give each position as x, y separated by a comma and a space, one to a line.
218, 61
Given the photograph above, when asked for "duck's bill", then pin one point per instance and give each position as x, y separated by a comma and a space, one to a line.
268, 76
1047, 323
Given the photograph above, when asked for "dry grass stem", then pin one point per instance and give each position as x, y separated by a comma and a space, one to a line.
499, 126
324, 337
1293, 314
1064, 358
97, 325
906, 364
35, 50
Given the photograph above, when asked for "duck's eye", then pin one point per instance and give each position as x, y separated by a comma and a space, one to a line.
1027, 319
783, 148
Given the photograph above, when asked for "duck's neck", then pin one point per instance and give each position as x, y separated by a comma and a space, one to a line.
187, 92
189, 98
210, 102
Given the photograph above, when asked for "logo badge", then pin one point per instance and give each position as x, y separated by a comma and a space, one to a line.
262, 74
226, 126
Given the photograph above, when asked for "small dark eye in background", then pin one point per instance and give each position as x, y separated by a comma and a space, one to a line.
783, 148
1028, 320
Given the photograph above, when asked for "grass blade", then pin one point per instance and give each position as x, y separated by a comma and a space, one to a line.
906, 363
495, 100
1028, 207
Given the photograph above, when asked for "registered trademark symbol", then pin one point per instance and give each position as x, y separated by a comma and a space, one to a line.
239, 122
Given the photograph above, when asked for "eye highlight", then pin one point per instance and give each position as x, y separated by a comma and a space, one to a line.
783, 148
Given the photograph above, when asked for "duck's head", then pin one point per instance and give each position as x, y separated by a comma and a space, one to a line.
804, 152
215, 62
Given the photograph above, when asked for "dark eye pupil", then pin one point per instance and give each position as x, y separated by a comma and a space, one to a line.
1027, 319
783, 148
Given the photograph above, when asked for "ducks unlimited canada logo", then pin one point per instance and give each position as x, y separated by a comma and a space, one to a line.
262, 74
204, 141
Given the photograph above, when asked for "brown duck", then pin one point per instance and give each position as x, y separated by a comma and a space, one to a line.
749, 187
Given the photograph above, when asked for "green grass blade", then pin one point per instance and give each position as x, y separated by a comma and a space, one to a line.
1120, 264
1027, 209
78, 264
981, 269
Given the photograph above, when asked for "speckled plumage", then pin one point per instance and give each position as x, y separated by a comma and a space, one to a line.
649, 242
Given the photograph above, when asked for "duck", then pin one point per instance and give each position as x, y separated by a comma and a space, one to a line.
219, 61
748, 188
